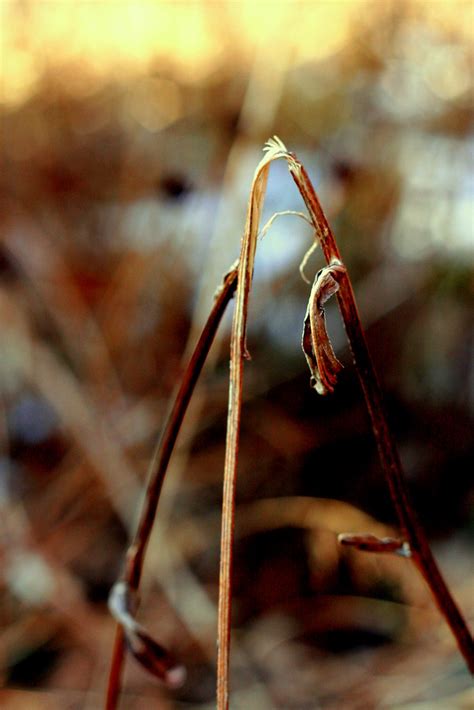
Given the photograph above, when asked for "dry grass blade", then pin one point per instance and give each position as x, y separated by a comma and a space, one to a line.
274, 150
317, 347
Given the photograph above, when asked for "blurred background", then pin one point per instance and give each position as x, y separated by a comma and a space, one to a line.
130, 134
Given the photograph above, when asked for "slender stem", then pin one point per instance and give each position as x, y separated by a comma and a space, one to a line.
159, 465
274, 150
388, 454
113, 689
227, 528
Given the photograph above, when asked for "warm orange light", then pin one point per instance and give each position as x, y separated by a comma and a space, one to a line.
110, 38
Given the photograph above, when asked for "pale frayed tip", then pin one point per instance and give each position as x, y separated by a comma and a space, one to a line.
275, 145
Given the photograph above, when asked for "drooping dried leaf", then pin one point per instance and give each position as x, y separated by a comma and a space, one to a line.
322, 362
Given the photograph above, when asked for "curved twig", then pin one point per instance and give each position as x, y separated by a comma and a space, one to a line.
157, 471
389, 459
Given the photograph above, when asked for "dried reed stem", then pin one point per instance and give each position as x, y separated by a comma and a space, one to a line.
391, 465
159, 465
412, 531
274, 150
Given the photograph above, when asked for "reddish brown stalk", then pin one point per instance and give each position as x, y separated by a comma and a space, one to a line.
158, 466
391, 465
274, 150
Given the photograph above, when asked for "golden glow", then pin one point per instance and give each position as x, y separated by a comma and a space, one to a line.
154, 103
118, 38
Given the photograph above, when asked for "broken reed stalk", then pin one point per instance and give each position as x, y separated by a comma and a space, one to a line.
391, 464
157, 470
415, 537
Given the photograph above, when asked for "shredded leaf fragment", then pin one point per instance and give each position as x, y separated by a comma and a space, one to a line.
275, 145
305, 260
283, 213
